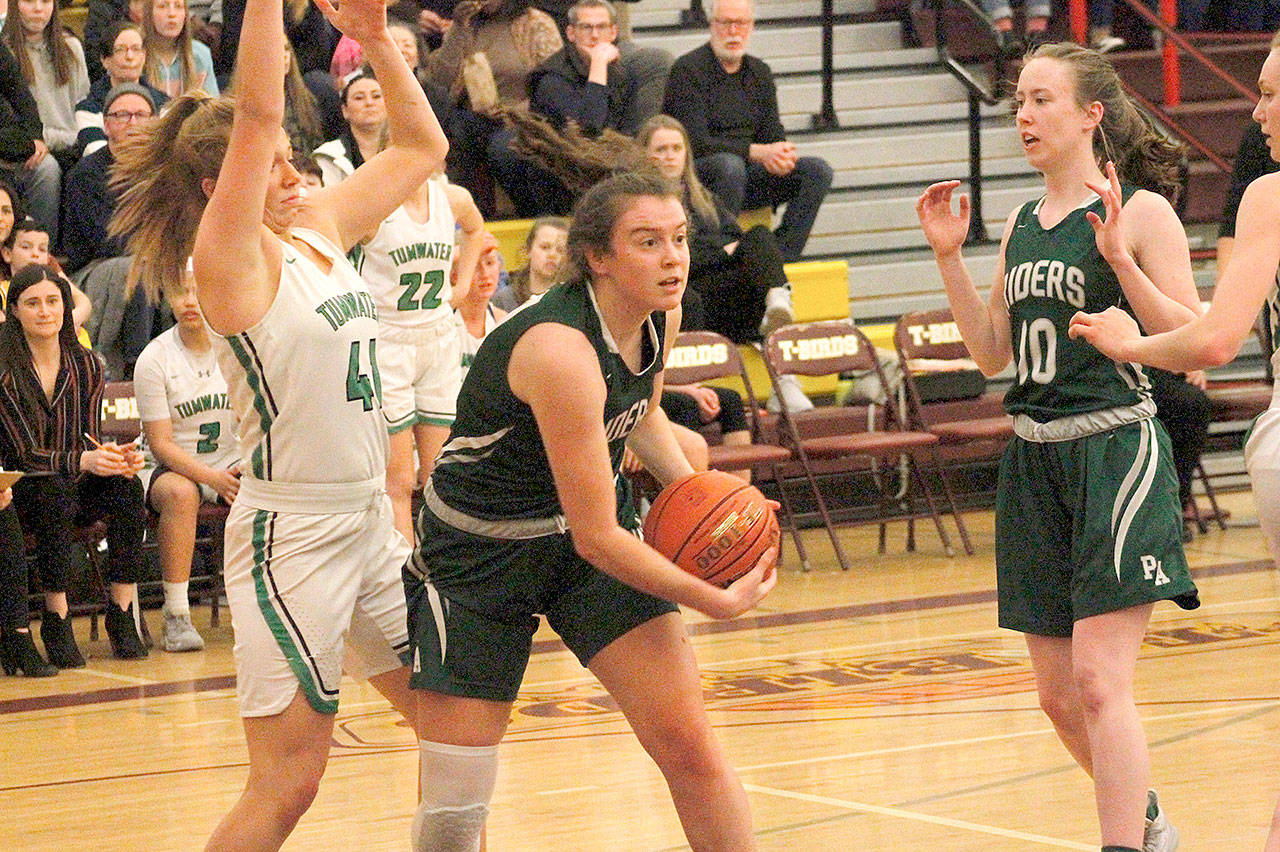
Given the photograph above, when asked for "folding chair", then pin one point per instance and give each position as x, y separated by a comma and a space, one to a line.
700, 356
837, 346
934, 336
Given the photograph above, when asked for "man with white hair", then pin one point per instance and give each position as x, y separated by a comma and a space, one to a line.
728, 103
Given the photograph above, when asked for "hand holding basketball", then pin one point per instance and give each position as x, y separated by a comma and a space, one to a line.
715, 526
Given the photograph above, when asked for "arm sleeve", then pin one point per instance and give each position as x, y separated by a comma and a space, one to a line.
204, 65
559, 99
769, 125
149, 386
14, 89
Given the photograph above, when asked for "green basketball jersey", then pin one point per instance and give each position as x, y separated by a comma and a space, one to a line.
494, 466
1049, 275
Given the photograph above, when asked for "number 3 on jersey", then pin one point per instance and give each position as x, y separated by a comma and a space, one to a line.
412, 281
359, 386
1038, 351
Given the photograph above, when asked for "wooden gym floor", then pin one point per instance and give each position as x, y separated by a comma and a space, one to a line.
875, 710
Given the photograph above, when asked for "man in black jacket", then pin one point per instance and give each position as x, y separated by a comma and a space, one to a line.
728, 103
584, 81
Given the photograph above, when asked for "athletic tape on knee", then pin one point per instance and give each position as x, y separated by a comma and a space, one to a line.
457, 784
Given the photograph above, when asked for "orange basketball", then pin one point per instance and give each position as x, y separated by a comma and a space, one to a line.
711, 524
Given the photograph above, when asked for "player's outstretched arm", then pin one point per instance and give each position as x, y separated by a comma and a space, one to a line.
1215, 337
554, 370
470, 226
984, 326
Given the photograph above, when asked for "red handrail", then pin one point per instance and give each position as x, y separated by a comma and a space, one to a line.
1174, 42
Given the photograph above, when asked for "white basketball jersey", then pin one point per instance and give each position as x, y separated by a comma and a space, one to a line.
186, 388
470, 345
406, 263
304, 381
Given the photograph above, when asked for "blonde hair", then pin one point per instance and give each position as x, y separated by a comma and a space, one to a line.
1144, 156
158, 174
696, 196
186, 59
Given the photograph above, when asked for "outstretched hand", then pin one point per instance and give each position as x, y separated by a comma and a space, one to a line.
1109, 232
360, 20
749, 589
1110, 332
945, 231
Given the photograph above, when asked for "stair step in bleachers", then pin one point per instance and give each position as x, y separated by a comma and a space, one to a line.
794, 48
661, 14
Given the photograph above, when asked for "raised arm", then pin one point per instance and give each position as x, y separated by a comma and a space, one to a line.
471, 225
236, 258
553, 369
1215, 337
355, 207
1153, 261
984, 326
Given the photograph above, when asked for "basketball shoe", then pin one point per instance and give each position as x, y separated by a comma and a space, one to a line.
1160, 835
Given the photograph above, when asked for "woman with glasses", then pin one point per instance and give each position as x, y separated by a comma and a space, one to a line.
123, 62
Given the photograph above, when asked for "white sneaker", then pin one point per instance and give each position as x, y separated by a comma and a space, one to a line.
180, 634
777, 310
789, 388
1160, 835
1109, 43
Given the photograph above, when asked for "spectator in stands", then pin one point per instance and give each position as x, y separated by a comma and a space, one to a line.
10, 215
694, 406
88, 199
364, 135
728, 103
52, 63
485, 61
476, 315
437, 96
123, 64
1252, 161
1101, 14
28, 245
24, 157
205, 21
51, 387
309, 169
192, 453
1035, 22
430, 19
544, 248
584, 81
312, 37
738, 273
17, 650
175, 63
101, 15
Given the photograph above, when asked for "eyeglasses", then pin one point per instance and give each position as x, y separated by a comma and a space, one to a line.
593, 28
125, 115
124, 49
733, 23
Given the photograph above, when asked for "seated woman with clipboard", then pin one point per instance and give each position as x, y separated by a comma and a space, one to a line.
50, 406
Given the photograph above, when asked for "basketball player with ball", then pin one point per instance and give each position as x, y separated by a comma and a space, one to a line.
526, 514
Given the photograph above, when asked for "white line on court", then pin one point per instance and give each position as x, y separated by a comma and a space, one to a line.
565, 790
900, 813
122, 678
1036, 732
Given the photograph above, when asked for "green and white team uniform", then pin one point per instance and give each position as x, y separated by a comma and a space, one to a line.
495, 550
467, 344
1088, 518
312, 558
406, 267
173, 383
1262, 449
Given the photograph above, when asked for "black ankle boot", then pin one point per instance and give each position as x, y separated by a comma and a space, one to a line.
59, 641
18, 654
123, 633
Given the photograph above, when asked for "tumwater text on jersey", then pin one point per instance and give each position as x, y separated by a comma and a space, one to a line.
339, 310
208, 402
1047, 279
418, 251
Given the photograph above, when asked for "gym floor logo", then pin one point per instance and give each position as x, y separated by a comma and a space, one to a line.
977, 668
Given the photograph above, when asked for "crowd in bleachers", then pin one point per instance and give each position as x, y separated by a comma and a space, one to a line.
538, 99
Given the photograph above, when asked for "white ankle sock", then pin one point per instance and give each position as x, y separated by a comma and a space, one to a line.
175, 598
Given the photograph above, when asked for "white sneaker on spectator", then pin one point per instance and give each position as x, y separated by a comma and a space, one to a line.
1108, 43
180, 634
789, 387
777, 310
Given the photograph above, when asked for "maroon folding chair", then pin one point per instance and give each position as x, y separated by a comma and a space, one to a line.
873, 446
